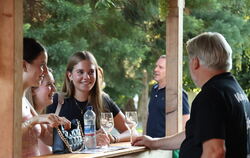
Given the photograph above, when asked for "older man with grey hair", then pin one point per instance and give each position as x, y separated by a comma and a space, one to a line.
219, 123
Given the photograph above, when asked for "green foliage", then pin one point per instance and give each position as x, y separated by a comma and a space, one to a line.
230, 19
192, 26
104, 4
138, 11
119, 46
127, 36
163, 10
203, 4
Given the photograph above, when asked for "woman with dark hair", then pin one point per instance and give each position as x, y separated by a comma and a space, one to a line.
81, 88
34, 126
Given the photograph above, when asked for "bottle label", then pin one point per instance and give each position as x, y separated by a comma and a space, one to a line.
90, 134
89, 130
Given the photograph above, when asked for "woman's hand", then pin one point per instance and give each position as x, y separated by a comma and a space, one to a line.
102, 138
52, 120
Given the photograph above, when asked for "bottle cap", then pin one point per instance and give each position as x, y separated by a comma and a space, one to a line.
89, 108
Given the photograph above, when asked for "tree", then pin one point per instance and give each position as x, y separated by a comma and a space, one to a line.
70, 26
231, 18
128, 36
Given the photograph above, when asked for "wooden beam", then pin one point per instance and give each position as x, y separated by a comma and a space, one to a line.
11, 20
174, 41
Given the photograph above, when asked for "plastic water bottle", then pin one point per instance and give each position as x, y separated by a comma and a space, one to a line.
89, 118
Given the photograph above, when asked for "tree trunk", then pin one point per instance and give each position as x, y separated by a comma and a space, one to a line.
130, 105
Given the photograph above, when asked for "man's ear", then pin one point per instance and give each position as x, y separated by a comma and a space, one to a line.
25, 66
196, 63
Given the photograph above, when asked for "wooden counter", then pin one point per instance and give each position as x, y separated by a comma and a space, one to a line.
125, 153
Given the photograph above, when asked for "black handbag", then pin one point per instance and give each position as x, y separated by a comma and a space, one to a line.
68, 141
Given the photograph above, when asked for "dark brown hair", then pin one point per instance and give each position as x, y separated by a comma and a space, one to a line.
31, 49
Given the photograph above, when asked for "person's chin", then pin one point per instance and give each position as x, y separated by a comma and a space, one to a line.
49, 101
156, 79
86, 89
37, 84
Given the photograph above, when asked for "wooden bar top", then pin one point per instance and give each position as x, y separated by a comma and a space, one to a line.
121, 152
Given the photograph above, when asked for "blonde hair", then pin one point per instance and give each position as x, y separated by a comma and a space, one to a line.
29, 93
101, 78
95, 95
212, 49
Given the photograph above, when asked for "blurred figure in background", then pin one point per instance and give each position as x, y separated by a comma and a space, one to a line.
156, 124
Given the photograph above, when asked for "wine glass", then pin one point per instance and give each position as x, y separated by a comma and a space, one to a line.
131, 121
107, 122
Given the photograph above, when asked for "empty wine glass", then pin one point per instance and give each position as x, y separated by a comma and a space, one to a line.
131, 121
107, 122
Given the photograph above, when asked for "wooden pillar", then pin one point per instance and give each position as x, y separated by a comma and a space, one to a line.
11, 20
174, 41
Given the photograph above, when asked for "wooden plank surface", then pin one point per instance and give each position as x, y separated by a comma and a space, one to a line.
11, 77
116, 153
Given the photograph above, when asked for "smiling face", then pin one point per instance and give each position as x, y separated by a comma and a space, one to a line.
83, 76
43, 95
34, 71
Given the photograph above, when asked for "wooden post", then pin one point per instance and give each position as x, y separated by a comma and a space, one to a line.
174, 41
11, 20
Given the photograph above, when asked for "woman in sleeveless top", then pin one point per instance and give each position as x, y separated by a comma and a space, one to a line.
40, 97
35, 127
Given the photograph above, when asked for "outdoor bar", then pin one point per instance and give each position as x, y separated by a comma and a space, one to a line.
11, 42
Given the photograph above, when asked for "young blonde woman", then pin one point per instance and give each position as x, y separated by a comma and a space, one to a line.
81, 88
40, 97
35, 127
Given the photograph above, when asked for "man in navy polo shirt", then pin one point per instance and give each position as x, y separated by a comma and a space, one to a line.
156, 109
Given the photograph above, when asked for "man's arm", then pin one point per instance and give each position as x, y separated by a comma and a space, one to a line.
185, 109
214, 148
165, 143
185, 118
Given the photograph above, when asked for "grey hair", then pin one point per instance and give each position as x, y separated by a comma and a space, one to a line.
163, 56
212, 49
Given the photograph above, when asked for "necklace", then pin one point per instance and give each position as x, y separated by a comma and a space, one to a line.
78, 106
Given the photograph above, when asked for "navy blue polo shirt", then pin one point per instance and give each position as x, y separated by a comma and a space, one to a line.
156, 111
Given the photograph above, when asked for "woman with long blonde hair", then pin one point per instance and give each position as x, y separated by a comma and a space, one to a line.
82, 88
